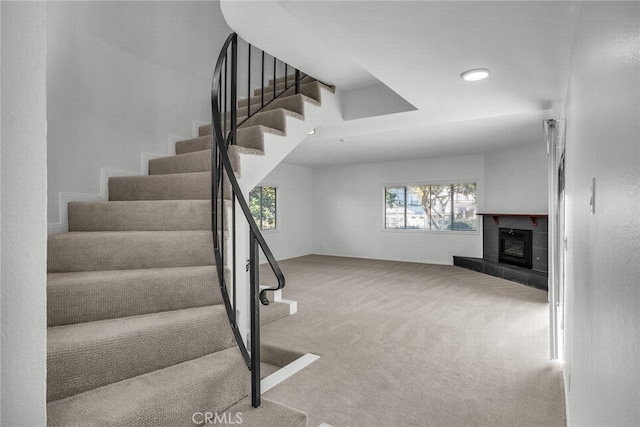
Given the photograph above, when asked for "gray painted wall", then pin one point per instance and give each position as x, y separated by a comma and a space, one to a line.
516, 179
349, 210
124, 78
602, 335
294, 236
23, 221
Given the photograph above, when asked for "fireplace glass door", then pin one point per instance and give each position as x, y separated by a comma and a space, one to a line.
515, 247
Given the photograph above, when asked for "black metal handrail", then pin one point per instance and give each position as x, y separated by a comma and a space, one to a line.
224, 108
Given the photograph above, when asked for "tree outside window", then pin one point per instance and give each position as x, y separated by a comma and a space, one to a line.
438, 207
262, 204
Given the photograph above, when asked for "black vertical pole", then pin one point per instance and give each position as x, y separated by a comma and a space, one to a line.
274, 77
249, 82
234, 88
286, 77
262, 83
255, 321
297, 81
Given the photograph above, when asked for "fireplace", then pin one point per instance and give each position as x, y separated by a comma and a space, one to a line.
515, 247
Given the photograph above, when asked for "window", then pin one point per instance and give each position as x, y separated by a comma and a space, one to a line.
437, 207
262, 203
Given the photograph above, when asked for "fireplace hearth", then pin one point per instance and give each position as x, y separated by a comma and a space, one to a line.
515, 247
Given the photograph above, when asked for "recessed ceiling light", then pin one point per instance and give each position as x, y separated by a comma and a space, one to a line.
475, 74
313, 131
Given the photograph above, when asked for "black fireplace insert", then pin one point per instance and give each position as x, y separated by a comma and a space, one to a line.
515, 247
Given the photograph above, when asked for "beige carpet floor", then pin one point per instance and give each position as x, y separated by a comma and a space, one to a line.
407, 344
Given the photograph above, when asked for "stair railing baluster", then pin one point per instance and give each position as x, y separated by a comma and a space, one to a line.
255, 320
274, 77
226, 71
235, 255
249, 82
234, 89
297, 81
262, 83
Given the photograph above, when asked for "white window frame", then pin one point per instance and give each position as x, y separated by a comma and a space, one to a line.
384, 186
278, 216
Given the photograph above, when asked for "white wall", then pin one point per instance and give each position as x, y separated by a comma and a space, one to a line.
603, 293
294, 235
23, 221
516, 179
349, 211
122, 79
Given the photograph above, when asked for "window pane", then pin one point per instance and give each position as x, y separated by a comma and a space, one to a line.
268, 208
394, 207
416, 216
254, 204
464, 211
436, 201
441, 207
262, 204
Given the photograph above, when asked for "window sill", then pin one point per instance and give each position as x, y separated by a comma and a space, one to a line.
270, 231
423, 231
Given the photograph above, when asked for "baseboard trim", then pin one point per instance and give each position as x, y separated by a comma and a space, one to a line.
195, 127
287, 371
64, 197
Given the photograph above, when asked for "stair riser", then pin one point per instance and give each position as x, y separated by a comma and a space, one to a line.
168, 215
69, 252
289, 77
281, 85
274, 119
198, 161
247, 136
168, 397
294, 103
90, 355
188, 186
203, 142
312, 90
91, 296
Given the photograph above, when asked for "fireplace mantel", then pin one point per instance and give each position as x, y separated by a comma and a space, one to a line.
532, 217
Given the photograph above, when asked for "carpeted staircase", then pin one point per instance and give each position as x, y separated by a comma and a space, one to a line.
138, 334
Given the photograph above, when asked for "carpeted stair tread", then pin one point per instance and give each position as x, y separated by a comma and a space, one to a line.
250, 141
177, 186
99, 295
268, 414
293, 106
273, 119
291, 84
311, 90
128, 250
246, 136
167, 397
291, 78
202, 142
84, 356
293, 103
141, 215
198, 161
